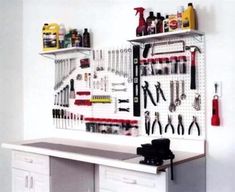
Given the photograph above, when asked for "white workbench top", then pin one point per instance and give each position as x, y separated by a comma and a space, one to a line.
130, 164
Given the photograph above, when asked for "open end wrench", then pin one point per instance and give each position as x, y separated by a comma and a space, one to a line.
177, 100
109, 60
172, 106
129, 80
183, 96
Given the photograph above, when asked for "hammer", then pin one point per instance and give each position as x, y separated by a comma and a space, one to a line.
193, 49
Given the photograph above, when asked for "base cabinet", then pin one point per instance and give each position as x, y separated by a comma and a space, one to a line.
40, 173
188, 177
30, 172
25, 181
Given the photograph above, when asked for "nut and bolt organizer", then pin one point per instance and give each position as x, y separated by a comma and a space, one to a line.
95, 91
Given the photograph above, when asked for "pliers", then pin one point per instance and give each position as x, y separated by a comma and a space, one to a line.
191, 125
159, 123
147, 92
159, 92
169, 124
147, 122
180, 125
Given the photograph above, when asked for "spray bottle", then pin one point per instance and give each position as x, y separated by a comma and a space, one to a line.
142, 27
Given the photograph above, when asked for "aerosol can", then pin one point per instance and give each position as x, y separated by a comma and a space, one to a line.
142, 27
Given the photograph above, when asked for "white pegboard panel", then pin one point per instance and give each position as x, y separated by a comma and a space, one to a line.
185, 109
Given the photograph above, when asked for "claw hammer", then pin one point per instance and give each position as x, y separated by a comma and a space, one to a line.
193, 49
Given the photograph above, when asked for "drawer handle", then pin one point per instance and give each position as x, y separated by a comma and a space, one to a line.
31, 182
26, 181
28, 160
128, 181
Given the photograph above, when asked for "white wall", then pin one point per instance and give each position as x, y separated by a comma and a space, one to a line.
113, 21
11, 84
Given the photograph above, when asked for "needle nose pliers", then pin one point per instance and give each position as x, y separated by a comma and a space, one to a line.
170, 124
191, 125
147, 122
147, 93
180, 125
157, 121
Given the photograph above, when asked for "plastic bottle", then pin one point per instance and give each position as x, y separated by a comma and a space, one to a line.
142, 27
50, 33
173, 23
86, 38
44, 35
180, 10
159, 23
150, 21
165, 24
62, 32
189, 18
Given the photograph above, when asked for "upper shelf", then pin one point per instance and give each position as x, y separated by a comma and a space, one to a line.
159, 36
65, 50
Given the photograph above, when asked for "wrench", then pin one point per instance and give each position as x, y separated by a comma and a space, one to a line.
121, 62
177, 100
113, 61
115, 90
109, 60
172, 106
117, 63
129, 80
183, 96
125, 63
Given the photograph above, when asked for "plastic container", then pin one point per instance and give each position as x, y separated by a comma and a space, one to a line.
151, 26
50, 34
62, 32
189, 18
86, 38
180, 11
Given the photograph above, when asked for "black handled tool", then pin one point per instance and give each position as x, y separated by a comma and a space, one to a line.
72, 91
169, 124
196, 124
147, 93
159, 92
147, 122
180, 125
156, 120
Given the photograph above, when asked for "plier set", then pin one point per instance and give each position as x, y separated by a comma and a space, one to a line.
148, 94
180, 126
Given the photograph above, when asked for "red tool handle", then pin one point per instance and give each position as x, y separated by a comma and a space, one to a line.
215, 120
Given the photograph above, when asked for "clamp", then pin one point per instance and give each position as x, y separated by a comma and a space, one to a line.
191, 125
159, 92
147, 122
170, 124
157, 121
180, 125
147, 92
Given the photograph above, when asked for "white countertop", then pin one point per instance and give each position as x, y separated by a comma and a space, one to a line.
130, 164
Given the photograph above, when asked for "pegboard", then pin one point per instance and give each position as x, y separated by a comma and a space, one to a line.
106, 69
185, 109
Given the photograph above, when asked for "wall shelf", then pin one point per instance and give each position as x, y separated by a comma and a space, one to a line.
65, 51
159, 36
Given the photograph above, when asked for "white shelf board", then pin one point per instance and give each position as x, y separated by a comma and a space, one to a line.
65, 50
145, 38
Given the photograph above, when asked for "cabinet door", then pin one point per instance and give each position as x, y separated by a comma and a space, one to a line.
39, 183
20, 180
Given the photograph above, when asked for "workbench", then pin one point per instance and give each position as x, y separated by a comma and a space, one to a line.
71, 165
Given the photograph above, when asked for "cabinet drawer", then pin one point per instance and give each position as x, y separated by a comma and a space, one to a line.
31, 162
112, 178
